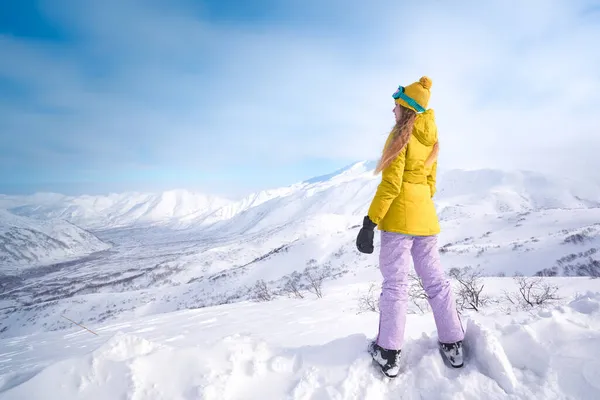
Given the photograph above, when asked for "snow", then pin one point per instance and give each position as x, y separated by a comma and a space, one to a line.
115, 210
171, 300
166, 267
27, 243
489, 356
311, 349
345, 192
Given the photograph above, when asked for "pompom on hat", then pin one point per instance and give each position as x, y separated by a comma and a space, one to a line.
414, 96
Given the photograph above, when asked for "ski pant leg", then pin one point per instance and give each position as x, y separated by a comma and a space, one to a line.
394, 262
441, 299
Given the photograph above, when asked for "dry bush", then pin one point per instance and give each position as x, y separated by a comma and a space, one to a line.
315, 276
416, 293
293, 285
469, 294
261, 291
369, 302
532, 292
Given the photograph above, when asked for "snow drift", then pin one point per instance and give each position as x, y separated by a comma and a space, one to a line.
302, 349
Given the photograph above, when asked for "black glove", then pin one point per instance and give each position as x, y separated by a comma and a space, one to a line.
364, 240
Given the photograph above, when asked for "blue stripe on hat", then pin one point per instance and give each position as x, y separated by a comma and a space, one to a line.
399, 94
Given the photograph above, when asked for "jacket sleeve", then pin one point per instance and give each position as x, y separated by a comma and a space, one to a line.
388, 189
431, 179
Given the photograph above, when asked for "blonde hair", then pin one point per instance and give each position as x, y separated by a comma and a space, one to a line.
398, 138
433, 156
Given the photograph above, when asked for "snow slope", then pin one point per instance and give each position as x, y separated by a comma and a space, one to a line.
486, 192
163, 294
149, 272
153, 269
313, 349
26, 243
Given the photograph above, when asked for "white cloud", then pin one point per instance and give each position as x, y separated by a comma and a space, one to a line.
515, 84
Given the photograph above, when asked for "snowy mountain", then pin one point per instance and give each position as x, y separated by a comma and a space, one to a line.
346, 192
176, 251
212, 256
115, 210
26, 243
487, 192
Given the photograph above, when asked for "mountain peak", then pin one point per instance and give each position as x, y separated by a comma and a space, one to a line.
354, 169
343, 192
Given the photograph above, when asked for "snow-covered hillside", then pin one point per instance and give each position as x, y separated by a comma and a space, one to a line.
486, 192
175, 252
115, 210
314, 348
26, 242
198, 260
149, 271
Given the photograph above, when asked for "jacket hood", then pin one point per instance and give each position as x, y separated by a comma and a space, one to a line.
425, 128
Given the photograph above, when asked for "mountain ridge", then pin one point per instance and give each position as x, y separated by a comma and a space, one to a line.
349, 189
27, 242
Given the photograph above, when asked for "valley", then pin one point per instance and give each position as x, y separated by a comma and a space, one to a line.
169, 265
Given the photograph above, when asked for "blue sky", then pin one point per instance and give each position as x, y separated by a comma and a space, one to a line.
229, 97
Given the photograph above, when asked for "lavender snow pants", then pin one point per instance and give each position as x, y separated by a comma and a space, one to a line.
394, 260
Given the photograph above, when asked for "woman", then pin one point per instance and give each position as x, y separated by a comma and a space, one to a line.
404, 211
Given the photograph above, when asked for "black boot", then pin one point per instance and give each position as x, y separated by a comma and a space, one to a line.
387, 360
453, 352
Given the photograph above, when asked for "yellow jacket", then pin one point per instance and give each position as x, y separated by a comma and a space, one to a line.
403, 202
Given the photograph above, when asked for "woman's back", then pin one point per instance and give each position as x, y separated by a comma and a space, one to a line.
420, 147
410, 184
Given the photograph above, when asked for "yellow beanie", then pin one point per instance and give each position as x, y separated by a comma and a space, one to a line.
419, 92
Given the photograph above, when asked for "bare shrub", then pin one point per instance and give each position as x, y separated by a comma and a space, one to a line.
469, 295
339, 253
577, 238
340, 271
517, 246
566, 259
445, 248
548, 272
261, 291
369, 302
591, 268
589, 252
293, 285
315, 276
533, 292
416, 292
587, 267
